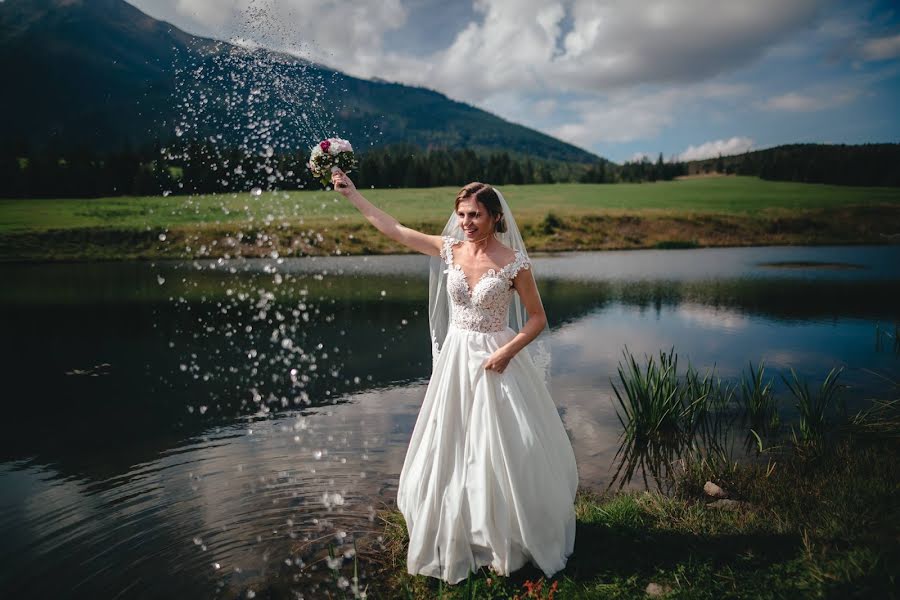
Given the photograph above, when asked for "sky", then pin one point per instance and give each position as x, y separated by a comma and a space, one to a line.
620, 78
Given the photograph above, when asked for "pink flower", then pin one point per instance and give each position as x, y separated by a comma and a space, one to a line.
325, 145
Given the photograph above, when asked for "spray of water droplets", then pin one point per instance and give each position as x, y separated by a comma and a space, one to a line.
245, 109
254, 336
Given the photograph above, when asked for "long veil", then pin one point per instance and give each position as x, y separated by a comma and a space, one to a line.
439, 305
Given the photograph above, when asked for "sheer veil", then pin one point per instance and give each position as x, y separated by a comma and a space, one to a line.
439, 304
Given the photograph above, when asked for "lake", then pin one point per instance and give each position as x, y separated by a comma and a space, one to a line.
209, 428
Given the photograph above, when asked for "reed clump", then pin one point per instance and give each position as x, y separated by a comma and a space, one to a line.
672, 418
667, 416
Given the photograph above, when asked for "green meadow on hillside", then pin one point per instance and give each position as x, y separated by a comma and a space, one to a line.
688, 213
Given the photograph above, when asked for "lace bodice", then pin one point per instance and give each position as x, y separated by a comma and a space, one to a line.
482, 306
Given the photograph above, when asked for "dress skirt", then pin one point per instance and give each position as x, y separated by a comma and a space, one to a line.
489, 476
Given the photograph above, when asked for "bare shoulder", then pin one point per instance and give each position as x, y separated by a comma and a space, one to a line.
432, 245
505, 255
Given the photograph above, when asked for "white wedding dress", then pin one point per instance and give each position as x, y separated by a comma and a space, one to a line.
489, 476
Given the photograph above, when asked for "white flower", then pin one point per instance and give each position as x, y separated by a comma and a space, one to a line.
322, 162
341, 144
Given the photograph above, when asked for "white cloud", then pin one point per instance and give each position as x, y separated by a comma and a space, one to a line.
797, 102
793, 101
620, 118
527, 44
588, 71
624, 44
546, 107
629, 116
882, 48
510, 48
346, 36
735, 145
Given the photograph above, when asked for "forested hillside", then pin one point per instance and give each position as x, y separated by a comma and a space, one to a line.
841, 164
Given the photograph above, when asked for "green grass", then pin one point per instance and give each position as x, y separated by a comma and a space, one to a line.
808, 526
727, 211
726, 195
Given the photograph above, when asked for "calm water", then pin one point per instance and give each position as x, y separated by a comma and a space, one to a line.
207, 429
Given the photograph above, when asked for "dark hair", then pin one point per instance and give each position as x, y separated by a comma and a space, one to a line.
486, 195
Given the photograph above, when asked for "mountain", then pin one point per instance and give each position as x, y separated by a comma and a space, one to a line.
99, 75
85, 73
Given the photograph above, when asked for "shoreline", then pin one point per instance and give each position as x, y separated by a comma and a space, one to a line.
536, 253
639, 230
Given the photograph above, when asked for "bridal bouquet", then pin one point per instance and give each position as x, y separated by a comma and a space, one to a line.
333, 152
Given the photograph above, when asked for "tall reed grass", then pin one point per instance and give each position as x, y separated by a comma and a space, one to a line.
671, 419
818, 410
666, 416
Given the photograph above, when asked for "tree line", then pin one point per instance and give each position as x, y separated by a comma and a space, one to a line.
201, 168
840, 164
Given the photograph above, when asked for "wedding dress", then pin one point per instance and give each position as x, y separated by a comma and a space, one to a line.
489, 476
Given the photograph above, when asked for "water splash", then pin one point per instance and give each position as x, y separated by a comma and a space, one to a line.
247, 118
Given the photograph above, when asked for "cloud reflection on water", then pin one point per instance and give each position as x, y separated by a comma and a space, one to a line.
113, 470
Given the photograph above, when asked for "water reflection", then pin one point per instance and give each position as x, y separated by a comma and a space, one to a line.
111, 475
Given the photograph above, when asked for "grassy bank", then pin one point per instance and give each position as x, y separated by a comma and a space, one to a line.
803, 525
725, 211
813, 515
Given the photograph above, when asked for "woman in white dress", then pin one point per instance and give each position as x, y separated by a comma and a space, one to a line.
489, 477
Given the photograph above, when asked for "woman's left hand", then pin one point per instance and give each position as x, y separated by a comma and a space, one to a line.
499, 360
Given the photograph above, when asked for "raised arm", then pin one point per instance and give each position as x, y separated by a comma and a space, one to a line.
383, 222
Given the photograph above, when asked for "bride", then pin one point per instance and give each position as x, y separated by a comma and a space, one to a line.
489, 477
